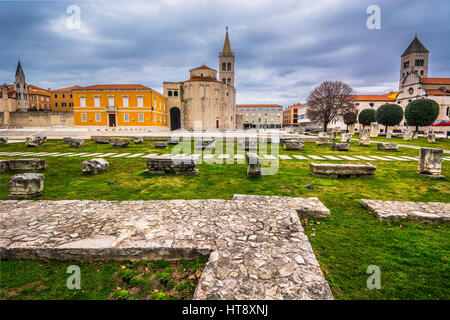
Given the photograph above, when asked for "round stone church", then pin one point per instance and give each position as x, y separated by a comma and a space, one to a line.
202, 101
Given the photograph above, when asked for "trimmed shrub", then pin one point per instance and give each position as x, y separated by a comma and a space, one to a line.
389, 114
367, 116
421, 112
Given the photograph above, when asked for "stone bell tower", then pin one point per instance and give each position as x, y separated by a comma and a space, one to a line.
21, 89
414, 62
226, 63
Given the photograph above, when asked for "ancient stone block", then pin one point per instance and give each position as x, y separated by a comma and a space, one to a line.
364, 137
174, 141
430, 163
407, 135
182, 165
324, 140
388, 135
333, 134
415, 135
322, 134
351, 128
293, 144
161, 145
94, 166
387, 146
250, 144
430, 212
254, 166
374, 130
3, 141
340, 146
431, 137
330, 170
25, 185
346, 137
36, 141
204, 144
66, 140
138, 140
119, 142
101, 139
76, 143
27, 165
4, 165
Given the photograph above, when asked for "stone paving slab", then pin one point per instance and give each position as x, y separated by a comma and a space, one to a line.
431, 212
332, 158
256, 244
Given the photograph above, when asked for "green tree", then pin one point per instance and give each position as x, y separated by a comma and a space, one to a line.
367, 116
389, 114
350, 117
421, 112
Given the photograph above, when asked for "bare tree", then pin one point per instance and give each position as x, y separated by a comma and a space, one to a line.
329, 101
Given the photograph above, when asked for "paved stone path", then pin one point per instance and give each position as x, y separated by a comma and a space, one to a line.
219, 156
256, 244
431, 212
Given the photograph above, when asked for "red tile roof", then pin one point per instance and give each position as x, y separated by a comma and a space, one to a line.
391, 96
114, 87
436, 80
30, 86
435, 92
202, 67
202, 79
67, 89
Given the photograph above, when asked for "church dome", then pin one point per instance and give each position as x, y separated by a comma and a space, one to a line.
203, 72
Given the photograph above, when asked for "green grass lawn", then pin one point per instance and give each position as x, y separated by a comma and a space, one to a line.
125, 280
419, 142
413, 257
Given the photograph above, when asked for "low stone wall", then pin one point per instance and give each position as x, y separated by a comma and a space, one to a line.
40, 119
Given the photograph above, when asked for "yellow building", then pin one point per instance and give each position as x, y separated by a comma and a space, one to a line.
62, 99
38, 98
119, 105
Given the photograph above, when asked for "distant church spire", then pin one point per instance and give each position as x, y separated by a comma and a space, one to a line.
19, 70
226, 62
226, 44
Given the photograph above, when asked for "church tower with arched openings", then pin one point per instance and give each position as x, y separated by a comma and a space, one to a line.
226, 63
21, 89
414, 64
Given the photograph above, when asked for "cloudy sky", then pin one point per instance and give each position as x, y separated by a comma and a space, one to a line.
283, 48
